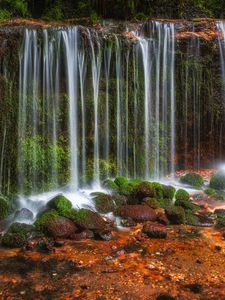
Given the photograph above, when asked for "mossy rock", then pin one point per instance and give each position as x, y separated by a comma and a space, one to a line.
143, 190
182, 195
17, 235
121, 181
217, 181
190, 218
44, 218
5, 208
186, 204
110, 185
60, 204
168, 192
214, 193
158, 190
120, 200
103, 203
193, 179
152, 202
176, 215
220, 221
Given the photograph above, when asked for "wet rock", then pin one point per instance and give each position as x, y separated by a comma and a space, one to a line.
61, 227
104, 203
152, 202
162, 219
120, 200
24, 214
193, 179
154, 230
60, 204
127, 222
176, 215
144, 190
139, 213
168, 192
220, 212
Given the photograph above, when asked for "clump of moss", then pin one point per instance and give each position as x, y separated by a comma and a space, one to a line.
212, 192
182, 195
217, 181
44, 218
60, 204
17, 235
158, 190
220, 221
152, 202
168, 192
110, 185
4, 208
121, 181
193, 179
191, 219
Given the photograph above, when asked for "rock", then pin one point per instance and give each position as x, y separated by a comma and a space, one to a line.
165, 297
154, 230
24, 214
103, 203
120, 200
110, 185
162, 219
193, 179
182, 195
138, 213
61, 227
43, 218
144, 190
80, 236
121, 181
220, 212
127, 222
176, 215
195, 288
60, 204
168, 192
217, 181
158, 190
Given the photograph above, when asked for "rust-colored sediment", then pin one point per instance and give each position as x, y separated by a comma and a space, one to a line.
187, 265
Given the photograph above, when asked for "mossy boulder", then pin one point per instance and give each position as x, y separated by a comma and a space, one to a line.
193, 179
186, 204
87, 219
103, 203
17, 235
220, 221
157, 231
190, 218
23, 214
152, 202
60, 204
5, 208
182, 195
61, 227
143, 190
217, 181
44, 218
120, 200
176, 215
168, 192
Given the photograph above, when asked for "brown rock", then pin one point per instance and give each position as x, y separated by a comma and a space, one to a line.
139, 213
61, 227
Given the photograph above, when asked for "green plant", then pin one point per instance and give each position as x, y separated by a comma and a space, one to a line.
44, 218
60, 204
182, 195
217, 181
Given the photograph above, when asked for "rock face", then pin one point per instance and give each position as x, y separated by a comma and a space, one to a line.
139, 213
61, 227
154, 230
24, 214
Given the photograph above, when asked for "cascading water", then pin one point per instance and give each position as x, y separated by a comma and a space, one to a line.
104, 104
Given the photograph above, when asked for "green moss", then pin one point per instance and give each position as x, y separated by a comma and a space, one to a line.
193, 179
217, 181
182, 195
121, 181
4, 208
221, 221
21, 228
190, 218
168, 192
44, 218
212, 192
14, 240
110, 185
158, 190
186, 204
76, 215
60, 204
153, 203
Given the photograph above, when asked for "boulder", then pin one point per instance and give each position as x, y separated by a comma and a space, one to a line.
154, 230
24, 214
217, 181
60, 204
61, 228
139, 213
176, 215
144, 190
162, 219
104, 203
193, 179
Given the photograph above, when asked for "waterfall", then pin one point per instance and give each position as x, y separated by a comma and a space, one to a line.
92, 108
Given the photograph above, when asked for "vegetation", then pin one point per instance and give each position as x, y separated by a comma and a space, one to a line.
217, 181
182, 195
119, 9
4, 208
193, 179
